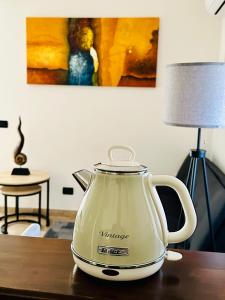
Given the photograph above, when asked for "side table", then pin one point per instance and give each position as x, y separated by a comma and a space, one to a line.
35, 178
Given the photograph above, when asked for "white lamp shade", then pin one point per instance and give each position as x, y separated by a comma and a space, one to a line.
195, 95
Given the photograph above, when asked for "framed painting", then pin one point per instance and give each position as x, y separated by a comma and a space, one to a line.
92, 51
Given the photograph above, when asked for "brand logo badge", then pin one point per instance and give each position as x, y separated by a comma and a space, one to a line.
114, 251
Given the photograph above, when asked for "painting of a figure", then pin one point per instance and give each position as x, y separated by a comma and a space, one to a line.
92, 51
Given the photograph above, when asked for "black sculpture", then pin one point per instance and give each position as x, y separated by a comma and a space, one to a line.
19, 157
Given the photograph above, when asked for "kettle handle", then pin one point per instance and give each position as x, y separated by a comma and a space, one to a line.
189, 212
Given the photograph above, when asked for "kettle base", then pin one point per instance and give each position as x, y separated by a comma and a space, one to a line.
118, 274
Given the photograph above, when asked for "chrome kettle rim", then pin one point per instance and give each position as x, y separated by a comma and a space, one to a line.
135, 266
121, 172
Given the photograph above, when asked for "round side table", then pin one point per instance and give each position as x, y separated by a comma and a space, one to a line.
24, 185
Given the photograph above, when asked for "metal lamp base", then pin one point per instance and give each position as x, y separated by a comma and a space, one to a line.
196, 156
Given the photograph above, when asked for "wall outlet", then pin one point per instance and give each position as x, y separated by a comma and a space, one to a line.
3, 124
67, 190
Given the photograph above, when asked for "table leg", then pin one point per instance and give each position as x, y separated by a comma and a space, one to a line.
17, 208
39, 209
47, 209
6, 217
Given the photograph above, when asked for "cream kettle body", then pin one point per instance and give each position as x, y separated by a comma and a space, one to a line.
120, 230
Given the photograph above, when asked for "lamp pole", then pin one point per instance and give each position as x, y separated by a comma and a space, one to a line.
196, 156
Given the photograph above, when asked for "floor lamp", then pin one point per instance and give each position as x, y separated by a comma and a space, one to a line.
195, 97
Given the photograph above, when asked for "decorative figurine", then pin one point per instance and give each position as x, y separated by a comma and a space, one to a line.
19, 157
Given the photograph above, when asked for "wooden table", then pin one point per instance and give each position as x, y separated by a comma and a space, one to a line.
35, 177
35, 268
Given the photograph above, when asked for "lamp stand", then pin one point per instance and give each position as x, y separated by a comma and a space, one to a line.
198, 155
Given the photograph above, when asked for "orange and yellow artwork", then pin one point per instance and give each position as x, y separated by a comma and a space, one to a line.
92, 51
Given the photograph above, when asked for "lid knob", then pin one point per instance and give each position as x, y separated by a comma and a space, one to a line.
127, 162
121, 166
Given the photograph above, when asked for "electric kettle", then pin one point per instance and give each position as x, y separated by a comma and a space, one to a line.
120, 230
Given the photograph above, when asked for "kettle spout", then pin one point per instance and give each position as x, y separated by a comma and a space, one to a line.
83, 177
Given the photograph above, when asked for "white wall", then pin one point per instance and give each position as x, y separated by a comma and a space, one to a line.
217, 142
68, 128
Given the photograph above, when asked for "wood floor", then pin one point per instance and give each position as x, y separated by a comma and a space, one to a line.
55, 215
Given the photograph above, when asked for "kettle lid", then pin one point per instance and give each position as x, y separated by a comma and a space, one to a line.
121, 166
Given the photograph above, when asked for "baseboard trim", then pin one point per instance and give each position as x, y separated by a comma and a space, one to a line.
53, 212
